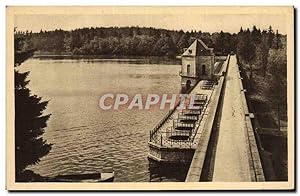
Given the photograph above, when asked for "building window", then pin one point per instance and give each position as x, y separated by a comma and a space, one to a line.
188, 69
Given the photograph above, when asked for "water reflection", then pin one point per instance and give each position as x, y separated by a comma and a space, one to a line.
118, 59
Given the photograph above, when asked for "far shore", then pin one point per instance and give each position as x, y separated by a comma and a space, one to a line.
120, 58
117, 58
41, 55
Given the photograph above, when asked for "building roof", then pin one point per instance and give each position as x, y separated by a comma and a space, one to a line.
198, 48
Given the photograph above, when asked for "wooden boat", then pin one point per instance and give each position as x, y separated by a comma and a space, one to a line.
88, 177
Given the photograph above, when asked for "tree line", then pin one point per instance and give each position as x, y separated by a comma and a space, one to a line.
140, 41
263, 55
143, 41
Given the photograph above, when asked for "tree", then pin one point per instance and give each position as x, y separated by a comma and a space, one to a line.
241, 31
219, 45
246, 52
183, 42
223, 43
29, 119
261, 54
245, 48
256, 35
270, 36
164, 47
277, 42
277, 80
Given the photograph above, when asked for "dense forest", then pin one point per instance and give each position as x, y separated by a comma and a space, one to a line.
263, 56
125, 41
135, 41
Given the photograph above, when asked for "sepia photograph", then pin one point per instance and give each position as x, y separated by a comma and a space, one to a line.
150, 98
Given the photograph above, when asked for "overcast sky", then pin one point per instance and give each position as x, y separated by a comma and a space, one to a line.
205, 23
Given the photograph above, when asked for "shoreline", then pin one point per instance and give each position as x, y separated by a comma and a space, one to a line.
103, 56
128, 59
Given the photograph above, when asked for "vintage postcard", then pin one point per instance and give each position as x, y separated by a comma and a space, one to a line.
150, 98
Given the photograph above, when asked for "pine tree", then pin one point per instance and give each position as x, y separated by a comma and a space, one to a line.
220, 43
256, 35
241, 30
277, 42
245, 48
270, 37
29, 119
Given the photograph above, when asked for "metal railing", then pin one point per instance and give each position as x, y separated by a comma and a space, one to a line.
200, 98
174, 137
178, 138
184, 117
167, 116
162, 121
172, 131
207, 84
165, 137
191, 112
177, 124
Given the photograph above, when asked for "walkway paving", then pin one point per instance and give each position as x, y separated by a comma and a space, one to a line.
231, 160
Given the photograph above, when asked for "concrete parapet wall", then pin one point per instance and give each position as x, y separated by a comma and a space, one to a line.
170, 155
257, 173
197, 163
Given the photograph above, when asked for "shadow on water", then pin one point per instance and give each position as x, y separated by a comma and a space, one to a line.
167, 172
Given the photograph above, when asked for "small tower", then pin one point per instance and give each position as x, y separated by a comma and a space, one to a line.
197, 64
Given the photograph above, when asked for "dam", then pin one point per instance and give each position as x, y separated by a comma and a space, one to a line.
189, 135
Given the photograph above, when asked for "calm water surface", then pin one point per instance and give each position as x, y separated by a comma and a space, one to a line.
85, 138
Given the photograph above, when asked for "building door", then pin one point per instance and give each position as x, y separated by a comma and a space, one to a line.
188, 84
203, 70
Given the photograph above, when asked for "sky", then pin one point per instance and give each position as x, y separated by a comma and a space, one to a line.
187, 22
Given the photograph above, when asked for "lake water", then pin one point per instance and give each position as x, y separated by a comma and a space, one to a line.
86, 138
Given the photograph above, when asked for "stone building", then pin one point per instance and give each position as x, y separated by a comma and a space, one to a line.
197, 64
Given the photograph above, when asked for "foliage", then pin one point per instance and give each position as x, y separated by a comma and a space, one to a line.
142, 41
124, 41
29, 120
246, 48
263, 54
277, 79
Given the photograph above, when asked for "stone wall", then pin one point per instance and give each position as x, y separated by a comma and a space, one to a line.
188, 61
208, 61
170, 155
